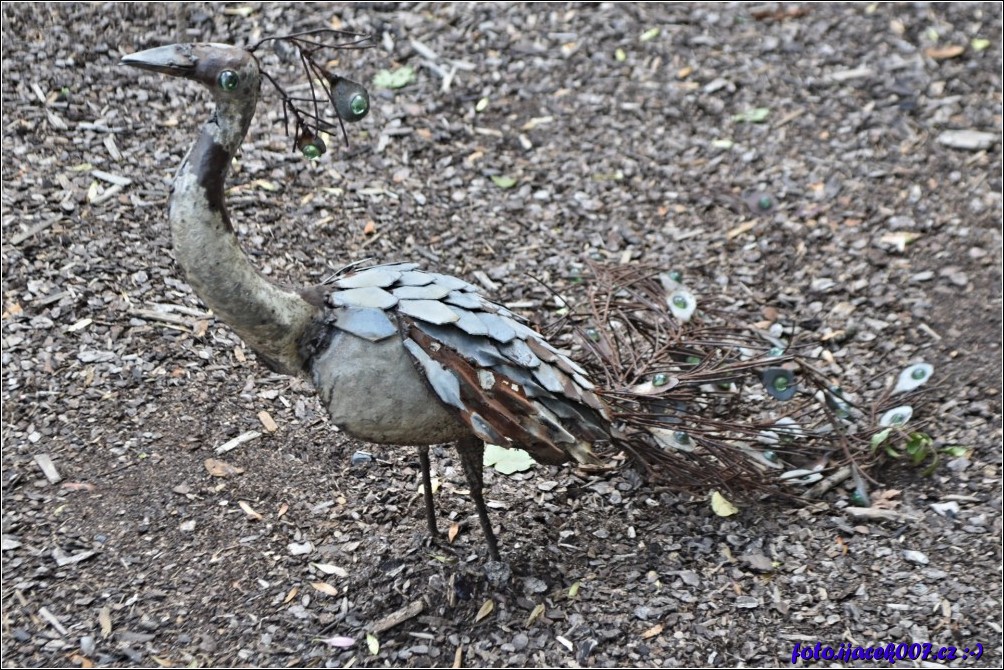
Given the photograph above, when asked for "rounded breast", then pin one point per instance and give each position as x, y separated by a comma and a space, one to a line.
373, 392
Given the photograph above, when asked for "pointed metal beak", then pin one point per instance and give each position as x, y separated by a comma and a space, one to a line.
176, 60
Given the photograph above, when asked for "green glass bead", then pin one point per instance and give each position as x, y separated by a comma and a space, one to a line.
775, 351
765, 202
593, 334
780, 384
660, 379
676, 276
679, 302
919, 373
681, 437
359, 105
770, 456
228, 80
311, 152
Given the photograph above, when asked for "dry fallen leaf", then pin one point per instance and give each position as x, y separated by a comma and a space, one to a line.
253, 515
453, 532
898, 240
538, 611
369, 228
82, 661
485, 610
652, 632
283, 508
740, 229
721, 506
325, 588
219, 468
330, 569
79, 486
292, 594
945, 52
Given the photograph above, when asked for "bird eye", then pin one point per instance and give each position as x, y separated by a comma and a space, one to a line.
228, 80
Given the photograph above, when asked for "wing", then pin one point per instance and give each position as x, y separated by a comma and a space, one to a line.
497, 375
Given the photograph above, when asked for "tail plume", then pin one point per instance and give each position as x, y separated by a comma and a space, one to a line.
703, 399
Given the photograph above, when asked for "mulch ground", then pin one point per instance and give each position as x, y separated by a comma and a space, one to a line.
625, 133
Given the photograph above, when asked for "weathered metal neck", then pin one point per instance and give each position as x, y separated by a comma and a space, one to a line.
268, 317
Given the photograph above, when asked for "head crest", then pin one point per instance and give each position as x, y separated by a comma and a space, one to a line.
305, 113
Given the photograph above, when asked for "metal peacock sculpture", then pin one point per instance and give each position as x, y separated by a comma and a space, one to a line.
403, 356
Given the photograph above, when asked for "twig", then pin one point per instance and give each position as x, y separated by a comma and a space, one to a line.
237, 441
398, 617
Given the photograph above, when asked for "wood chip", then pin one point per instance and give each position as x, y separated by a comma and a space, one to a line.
115, 179
105, 620
267, 421
48, 468
237, 441
395, 618
53, 621
63, 559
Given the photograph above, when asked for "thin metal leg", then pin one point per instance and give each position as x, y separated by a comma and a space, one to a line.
430, 509
472, 454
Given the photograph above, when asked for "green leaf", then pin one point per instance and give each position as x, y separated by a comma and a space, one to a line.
649, 35
755, 115
399, 78
879, 438
619, 55
979, 44
958, 451
503, 181
507, 461
481, 106
573, 590
373, 643
722, 144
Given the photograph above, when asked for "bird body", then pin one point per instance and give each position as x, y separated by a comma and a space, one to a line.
404, 356
398, 355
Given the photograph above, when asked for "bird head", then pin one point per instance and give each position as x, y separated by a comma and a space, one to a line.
235, 73
225, 70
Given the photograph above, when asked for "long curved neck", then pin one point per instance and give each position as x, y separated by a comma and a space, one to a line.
270, 318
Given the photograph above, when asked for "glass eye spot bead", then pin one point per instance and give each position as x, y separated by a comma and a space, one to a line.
780, 383
660, 379
913, 377
312, 147
228, 80
359, 105
680, 301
